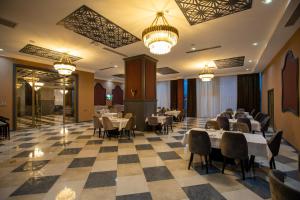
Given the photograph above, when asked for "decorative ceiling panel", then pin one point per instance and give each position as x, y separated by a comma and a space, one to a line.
166, 71
119, 75
230, 62
45, 53
198, 11
92, 25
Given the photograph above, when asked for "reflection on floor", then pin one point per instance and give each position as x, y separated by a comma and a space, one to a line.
50, 161
53, 120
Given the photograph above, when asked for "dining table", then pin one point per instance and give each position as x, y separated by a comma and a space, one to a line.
119, 123
174, 113
160, 119
255, 125
257, 144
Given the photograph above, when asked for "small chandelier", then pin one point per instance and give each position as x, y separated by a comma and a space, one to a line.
65, 66
160, 38
35, 80
206, 74
63, 91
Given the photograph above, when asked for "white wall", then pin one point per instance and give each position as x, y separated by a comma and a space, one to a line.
163, 94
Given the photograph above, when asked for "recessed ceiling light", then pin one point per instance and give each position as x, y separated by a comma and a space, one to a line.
247, 69
250, 61
267, 1
115, 66
193, 48
1, 50
255, 44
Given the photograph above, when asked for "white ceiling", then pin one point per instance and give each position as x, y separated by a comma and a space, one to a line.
37, 25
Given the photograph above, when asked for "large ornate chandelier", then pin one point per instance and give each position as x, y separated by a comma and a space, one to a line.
65, 66
160, 37
206, 74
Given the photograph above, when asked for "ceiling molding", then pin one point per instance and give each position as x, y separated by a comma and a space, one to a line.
92, 25
197, 12
45, 53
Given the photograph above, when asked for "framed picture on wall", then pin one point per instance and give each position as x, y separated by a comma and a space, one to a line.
290, 84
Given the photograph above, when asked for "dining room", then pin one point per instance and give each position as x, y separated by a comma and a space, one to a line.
162, 100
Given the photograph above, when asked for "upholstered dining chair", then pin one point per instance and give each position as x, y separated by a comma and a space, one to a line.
210, 124
199, 143
252, 112
108, 127
239, 115
259, 116
240, 126
128, 115
226, 114
274, 146
240, 110
234, 145
129, 127
264, 125
246, 121
280, 190
223, 123
169, 123
97, 125
229, 110
153, 122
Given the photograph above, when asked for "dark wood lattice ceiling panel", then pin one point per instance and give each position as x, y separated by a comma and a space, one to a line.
198, 11
45, 53
92, 25
230, 62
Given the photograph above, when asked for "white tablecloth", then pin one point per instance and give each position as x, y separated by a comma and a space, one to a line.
257, 144
246, 113
255, 125
174, 113
110, 115
119, 123
160, 119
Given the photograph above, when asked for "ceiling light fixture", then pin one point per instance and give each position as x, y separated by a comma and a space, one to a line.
160, 37
206, 74
250, 61
267, 1
1, 50
255, 44
65, 66
62, 91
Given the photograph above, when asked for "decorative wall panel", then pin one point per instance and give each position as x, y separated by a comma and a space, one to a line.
230, 62
290, 84
198, 11
99, 95
117, 94
92, 25
45, 53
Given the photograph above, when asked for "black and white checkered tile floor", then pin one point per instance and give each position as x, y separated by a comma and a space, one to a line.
50, 161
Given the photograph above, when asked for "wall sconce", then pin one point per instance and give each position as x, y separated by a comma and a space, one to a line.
133, 92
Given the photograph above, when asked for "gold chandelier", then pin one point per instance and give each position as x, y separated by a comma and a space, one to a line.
206, 74
65, 66
160, 38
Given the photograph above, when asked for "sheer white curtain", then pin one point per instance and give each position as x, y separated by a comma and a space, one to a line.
163, 94
215, 96
208, 98
228, 92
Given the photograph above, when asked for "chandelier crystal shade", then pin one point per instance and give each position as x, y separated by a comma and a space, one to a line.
160, 38
65, 66
206, 74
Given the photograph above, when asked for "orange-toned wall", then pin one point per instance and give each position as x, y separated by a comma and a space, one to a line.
288, 122
85, 90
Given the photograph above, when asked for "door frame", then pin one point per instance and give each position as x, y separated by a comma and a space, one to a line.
14, 80
272, 122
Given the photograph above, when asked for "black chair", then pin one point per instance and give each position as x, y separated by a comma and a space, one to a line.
229, 110
4, 128
223, 123
129, 127
199, 143
226, 114
279, 190
274, 146
169, 123
246, 121
259, 116
212, 125
240, 126
239, 115
234, 146
252, 112
265, 125
153, 122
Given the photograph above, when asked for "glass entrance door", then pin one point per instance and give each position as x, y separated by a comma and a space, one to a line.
44, 98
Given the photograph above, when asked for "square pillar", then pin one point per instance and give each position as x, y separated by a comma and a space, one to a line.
140, 87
